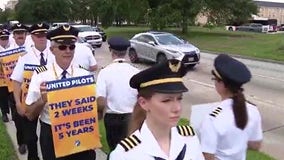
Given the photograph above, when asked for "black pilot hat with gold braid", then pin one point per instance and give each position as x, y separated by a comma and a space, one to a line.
4, 33
162, 78
19, 28
65, 34
230, 70
39, 28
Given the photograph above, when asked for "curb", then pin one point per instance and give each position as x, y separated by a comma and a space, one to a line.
244, 57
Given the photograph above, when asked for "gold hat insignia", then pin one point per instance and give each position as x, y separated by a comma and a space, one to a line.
174, 67
66, 27
39, 25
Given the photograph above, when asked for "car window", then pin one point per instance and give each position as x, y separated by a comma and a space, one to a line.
168, 39
139, 38
148, 38
85, 28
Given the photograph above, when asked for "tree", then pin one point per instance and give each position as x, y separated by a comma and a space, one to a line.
32, 11
186, 11
224, 11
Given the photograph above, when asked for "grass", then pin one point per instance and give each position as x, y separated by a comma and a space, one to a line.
6, 147
251, 155
218, 40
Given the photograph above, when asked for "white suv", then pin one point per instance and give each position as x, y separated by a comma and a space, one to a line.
160, 46
89, 35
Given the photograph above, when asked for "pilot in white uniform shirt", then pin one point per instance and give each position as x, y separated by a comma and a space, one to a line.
32, 57
142, 145
234, 125
219, 134
160, 90
113, 83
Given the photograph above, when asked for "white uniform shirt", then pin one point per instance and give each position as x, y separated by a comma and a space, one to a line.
113, 84
83, 56
32, 57
220, 136
49, 75
148, 148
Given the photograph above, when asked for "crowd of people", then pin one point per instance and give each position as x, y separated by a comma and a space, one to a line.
140, 109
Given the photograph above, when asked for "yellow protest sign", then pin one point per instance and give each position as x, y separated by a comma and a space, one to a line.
27, 76
2, 77
73, 115
9, 59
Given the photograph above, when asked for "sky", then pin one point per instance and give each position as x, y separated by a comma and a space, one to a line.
3, 2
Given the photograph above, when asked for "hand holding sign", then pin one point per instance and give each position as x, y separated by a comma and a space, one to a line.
43, 92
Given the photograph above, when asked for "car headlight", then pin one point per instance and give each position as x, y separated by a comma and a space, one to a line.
197, 50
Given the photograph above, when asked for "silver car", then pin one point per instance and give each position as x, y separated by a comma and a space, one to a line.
252, 27
160, 46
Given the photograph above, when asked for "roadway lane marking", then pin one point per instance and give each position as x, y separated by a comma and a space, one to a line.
249, 96
272, 78
202, 83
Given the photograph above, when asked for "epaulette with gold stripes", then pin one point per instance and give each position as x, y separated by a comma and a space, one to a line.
216, 112
129, 142
40, 69
185, 130
82, 67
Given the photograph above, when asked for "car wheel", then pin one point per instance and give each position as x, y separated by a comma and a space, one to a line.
230, 28
161, 58
133, 55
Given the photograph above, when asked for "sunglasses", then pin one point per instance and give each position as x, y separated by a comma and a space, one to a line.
4, 38
64, 47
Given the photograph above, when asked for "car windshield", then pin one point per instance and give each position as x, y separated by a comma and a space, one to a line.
85, 28
168, 39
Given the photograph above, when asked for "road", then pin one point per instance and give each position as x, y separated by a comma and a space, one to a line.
266, 90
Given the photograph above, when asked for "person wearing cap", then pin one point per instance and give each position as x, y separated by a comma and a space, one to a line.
154, 134
235, 125
38, 55
4, 44
62, 46
115, 96
19, 35
4, 39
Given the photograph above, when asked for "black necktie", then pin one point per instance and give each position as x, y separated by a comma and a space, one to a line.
64, 74
180, 156
42, 61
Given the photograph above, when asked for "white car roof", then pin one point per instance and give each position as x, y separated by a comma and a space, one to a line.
81, 25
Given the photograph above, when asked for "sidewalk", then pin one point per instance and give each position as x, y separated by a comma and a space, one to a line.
11, 130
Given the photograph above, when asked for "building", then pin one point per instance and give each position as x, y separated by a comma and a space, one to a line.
11, 4
271, 10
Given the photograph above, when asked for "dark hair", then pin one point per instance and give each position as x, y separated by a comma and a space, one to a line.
118, 53
139, 114
239, 105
